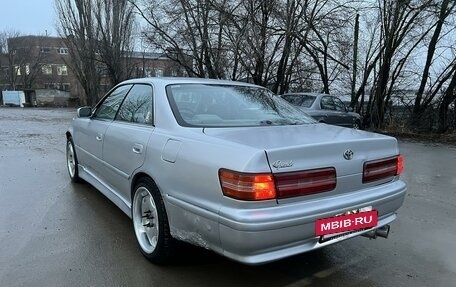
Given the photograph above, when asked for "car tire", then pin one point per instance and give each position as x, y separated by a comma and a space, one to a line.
357, 125
72, 161
150, 222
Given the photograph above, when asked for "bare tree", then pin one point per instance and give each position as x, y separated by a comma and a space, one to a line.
398, 20
443, 10
449, 96
80, 31
115, 23
9, 60
187, 31
99, 35
325, 37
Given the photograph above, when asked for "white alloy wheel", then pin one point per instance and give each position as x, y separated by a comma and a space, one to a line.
145, 220
72, 161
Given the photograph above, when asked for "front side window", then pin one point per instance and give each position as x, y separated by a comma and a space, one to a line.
137, 106
327, 103
339, 105
107, 110
200, 105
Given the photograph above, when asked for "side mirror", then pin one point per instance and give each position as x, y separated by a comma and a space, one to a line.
84, 112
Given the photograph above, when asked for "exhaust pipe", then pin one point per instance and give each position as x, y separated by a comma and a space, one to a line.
381, 232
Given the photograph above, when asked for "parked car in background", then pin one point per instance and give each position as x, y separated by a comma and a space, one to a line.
325, 109
233, 168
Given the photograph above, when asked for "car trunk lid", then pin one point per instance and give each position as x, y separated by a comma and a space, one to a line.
314, 146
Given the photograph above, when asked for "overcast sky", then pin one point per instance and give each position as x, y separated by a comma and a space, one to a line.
29, 17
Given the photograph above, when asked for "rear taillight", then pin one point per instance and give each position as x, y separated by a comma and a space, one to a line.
305, 182
382, 169
263, 186
246, 186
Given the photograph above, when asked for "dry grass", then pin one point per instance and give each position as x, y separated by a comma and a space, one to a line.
405, 133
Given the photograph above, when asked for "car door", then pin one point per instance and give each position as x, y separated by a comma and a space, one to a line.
343, 117
90, 131
126, 139
328, 110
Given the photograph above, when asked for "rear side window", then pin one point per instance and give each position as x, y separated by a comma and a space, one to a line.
327, 103
137, 106
107, 110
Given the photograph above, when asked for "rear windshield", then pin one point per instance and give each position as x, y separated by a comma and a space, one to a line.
304, 101
201, 105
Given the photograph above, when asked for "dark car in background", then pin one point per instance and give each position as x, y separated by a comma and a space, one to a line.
325, 109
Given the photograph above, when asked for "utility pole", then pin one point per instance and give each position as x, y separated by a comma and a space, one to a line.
355, 60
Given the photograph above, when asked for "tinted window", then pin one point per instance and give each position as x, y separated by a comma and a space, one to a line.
108, 108
137, 106
201, 105
339, 105
304, 101
327, 103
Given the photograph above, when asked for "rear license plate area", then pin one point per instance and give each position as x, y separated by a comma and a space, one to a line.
344, 224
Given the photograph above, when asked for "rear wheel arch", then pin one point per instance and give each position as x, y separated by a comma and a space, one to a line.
150, 220
136, 178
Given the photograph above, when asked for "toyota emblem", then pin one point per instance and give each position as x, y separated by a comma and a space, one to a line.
348, 154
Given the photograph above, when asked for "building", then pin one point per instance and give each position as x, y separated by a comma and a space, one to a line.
39, 65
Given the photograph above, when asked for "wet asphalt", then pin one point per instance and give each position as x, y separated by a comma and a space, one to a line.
54, 233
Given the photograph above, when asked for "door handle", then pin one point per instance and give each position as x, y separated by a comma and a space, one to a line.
137, 148
99, 137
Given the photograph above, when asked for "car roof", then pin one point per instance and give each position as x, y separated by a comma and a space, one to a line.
185, 80
309, 94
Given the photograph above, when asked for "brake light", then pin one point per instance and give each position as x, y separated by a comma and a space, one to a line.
247, 186
400, 164
305, 182
382, 168
263, 186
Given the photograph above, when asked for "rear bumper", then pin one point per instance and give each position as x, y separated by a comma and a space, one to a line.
261, 235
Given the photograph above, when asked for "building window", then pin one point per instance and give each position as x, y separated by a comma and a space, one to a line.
148, 72
49, 86
64, 87
139, 72
45, 50
159, 72
57, 86
62, 70
17, 70
27, 69
62, 51
46, 69
174, 73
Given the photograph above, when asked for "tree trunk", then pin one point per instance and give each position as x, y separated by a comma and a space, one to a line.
448, 98
418, 109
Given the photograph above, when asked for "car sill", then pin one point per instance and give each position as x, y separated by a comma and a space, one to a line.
91, 178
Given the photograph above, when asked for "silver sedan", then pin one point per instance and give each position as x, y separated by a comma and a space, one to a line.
325, 109
232, 168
